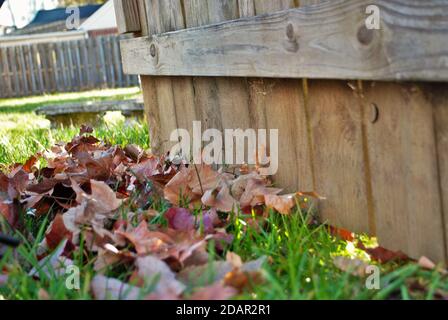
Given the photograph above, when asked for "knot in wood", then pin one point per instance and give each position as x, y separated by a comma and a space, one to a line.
152, 50
290, 31
365, 36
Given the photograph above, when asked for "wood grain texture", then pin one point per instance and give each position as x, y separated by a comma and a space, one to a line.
325, 41
376, 150
406, 193
127, 15
281, 105
438, 95
338, 162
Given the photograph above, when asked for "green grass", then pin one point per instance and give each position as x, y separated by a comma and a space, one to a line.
23, 133
299, 255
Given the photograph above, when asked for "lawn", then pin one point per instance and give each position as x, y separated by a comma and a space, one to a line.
299, 252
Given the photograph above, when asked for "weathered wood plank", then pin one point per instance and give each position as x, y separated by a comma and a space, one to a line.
335, 124
22, 70
438, 96
403, 158
275, 98
102, 61
127, 14
37, 61
7, 84
325, 41
29, 59
14, 67
246, 8
205, 104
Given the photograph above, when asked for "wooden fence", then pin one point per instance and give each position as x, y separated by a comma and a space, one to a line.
67, 66
375, 147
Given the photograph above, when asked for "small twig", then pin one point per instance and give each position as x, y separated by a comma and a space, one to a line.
199, 178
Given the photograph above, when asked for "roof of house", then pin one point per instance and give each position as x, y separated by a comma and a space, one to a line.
60, 14
103, 18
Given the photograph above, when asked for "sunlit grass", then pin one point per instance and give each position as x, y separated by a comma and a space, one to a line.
23, 133
299, 255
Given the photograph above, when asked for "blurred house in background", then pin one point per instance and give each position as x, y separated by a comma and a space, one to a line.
44, 57
102, 22
54, 20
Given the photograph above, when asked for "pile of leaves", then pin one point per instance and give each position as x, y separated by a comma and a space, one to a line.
101, 201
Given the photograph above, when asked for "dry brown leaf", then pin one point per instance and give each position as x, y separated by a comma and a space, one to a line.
220, 200
150, 268
283, 204
146, 241
104, 288
425, 263
216, 291
355, 267
234, 259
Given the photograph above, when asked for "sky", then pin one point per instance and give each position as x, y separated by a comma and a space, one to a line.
24, 10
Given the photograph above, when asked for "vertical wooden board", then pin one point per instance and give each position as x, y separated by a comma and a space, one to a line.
117, 63
43, 50
14, 68
50, 67
127, 15
110, 40
23, 70
93, 64
246, 8
77, 52
107, 64
101, 62
3, 92
148, 89
232, 97
310, 2
335, 124
37, 63
85, 64
30, 61
285, 112
7, 85
279, 104
205, 88
438, 95
176, 107
406, 193
269, 6
69, 65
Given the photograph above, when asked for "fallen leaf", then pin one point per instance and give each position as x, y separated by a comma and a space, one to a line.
146, 241
216, 291
384, 255
151, 268
104, 288
57, 232
220, 200
355, 267
180, 219
425, 263
283, 204
53, 264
